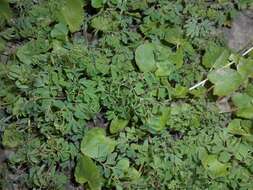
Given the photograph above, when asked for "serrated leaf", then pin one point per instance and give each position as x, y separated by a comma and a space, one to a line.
145, 58
215, 167
225, 81
215, 56
117, 125
96, 145
86, 171
72, 14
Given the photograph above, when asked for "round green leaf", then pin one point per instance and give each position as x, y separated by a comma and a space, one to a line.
145, 58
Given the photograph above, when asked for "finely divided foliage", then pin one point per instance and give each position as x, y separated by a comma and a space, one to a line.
96, 94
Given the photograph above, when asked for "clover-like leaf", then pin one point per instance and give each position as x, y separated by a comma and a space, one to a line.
95, 144
225, 81
145, 58
86, 171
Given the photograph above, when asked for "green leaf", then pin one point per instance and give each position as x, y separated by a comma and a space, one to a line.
12, 137
215, 56
157, 123
86, 171
245, 67
225, 81
117, 125
145, 58
244, 103
5, 10
242, 128
72, 14
178, 57
164, 68
216, 168
96, 145
97, 3
59, 31
123, 164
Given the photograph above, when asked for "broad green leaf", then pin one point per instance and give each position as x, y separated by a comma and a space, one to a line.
180, 91
117, 125
72, 14
178, 57
157, 123
59, 31
246, 112
97, 3
164, 68
96, 145
2, 45
12, 137
5, 10
86, 171
215, 167
26, 52
225, 81
215, 56
123, 164
242, 128
244, 104
145, 58
245, 67
174, 36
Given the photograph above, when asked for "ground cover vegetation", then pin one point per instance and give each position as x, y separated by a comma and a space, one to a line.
95, 95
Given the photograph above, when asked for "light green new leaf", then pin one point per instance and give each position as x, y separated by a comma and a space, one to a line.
215, 167
72, 14
117, 125
215, 56
96, 145
145, 58
225, 81
245, 67
86, 171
